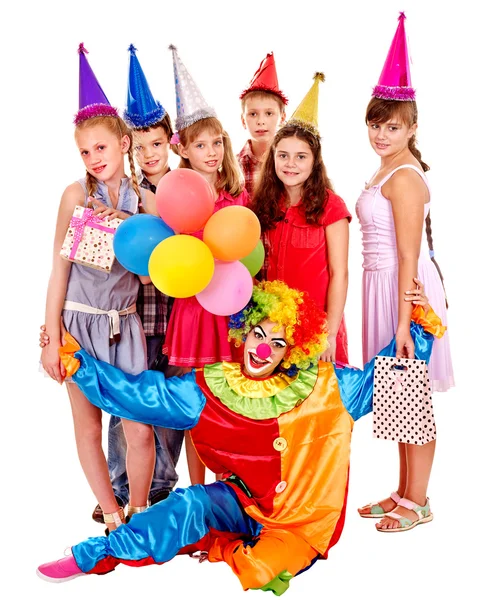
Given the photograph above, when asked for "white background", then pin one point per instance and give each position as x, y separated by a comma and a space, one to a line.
46, 501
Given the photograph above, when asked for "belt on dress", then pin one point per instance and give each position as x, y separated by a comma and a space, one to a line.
113, 315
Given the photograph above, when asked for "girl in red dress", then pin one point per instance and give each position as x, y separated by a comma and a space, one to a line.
305, 224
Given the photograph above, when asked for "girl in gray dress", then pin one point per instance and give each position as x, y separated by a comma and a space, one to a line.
74, 291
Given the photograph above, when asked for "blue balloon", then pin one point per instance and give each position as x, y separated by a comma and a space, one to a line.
135, 240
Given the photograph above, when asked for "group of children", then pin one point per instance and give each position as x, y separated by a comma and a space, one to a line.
281, 176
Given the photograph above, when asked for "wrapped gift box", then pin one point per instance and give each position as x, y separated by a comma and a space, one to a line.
89, 239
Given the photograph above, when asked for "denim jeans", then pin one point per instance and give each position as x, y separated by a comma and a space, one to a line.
168, 442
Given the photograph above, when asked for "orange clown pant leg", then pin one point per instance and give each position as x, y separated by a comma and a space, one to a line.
259, 561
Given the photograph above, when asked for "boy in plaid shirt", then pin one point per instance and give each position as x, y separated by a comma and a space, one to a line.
263, 111
152, 132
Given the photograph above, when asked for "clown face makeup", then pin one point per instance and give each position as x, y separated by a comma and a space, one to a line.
264, 349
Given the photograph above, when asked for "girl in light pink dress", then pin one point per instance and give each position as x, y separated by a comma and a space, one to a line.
393, 211
380, 279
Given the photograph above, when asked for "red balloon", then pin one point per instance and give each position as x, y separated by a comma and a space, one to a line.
185, 200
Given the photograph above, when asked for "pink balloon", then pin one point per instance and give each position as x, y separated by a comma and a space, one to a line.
229, 290
184, 200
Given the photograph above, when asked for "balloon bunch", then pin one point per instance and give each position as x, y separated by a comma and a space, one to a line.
217, 269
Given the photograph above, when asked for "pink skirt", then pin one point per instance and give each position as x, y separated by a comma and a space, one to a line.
196, 337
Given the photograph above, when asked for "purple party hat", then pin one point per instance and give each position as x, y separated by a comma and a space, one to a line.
395, 80
92, 99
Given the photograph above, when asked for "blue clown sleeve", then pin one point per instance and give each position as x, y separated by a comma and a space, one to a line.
356, 386
176, 402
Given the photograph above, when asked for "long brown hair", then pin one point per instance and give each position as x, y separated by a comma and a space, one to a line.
230, 179
269, 190
382, 111
117, 127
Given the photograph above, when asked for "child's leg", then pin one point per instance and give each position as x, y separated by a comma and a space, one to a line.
159, 533
140, 460
87, 428
419, 460
117, 459
273, 557
390, 503
196, 466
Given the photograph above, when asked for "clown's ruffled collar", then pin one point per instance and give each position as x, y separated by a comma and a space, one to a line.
259, 398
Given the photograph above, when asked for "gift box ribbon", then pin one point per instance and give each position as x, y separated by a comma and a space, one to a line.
396, 381
79, 223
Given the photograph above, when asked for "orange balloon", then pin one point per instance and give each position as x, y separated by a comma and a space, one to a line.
232, 233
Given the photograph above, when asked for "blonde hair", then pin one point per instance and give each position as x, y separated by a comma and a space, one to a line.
263, 95
117, 127
230, 179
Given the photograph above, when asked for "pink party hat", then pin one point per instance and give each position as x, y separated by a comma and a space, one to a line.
395, 80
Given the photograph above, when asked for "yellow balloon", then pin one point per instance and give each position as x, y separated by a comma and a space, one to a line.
181, 266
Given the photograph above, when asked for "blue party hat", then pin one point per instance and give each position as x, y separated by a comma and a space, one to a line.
92, 100
191, 106
142, 110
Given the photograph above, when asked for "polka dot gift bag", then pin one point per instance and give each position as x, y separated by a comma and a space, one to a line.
89, 239
403, 410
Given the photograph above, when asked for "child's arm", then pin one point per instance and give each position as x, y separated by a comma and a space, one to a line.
337, 235
150, 203
106, 212
56, 291
175, 402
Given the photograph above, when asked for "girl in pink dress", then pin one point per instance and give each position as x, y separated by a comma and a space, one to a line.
194, 336
393, 211
206, 148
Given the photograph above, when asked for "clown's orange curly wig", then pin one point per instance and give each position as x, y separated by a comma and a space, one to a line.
304, 322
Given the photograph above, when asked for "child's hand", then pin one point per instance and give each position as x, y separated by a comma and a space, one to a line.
404, 344
43, 337
418, 296
329, 354
103, 211
52, 364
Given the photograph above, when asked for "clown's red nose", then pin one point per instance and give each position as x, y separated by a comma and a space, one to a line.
263, 351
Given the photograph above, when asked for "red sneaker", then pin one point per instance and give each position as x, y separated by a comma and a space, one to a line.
59, 571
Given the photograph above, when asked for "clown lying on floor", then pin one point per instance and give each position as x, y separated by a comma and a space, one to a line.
279, 428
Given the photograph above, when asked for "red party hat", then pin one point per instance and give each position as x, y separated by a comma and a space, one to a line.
265, 79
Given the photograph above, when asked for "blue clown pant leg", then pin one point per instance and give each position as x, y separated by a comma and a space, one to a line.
159, 533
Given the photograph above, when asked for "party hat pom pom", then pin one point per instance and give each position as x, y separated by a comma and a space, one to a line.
82, 49
172, 47
320, 76
132, 49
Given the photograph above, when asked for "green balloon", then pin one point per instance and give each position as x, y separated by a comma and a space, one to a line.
254, 261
